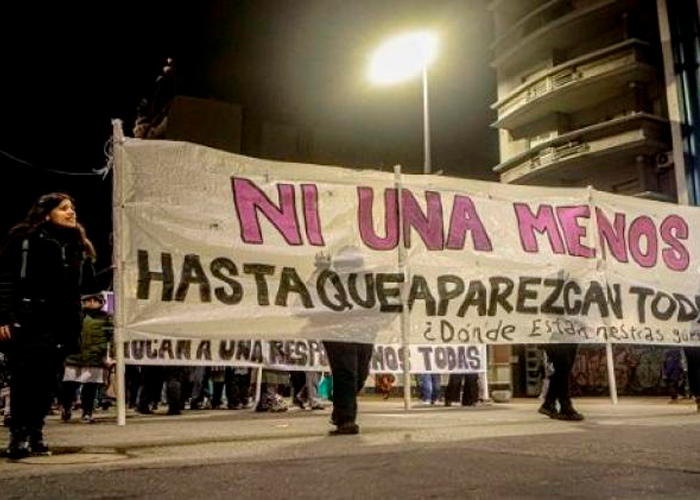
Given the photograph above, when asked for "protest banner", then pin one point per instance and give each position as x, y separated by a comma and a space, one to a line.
299, 355
216, 245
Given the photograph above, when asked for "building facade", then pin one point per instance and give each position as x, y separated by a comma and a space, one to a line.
585, 89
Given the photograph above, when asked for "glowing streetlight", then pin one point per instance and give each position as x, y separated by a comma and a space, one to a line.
402, 58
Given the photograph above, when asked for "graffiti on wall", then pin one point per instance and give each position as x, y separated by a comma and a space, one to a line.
639, 369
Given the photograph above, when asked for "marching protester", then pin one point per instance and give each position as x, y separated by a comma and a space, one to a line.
562, 357
88, 369
349, 361
45, 263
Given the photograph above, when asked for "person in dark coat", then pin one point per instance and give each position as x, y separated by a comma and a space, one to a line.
44, 263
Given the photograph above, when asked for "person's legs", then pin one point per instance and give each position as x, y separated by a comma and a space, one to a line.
343, 359
198, 378
149, 389
87, 398
47, 363
363, 353
434, 388
692, 356
312, 381
425, 385
453, 388
562, 357
549, 406
69, 391
173, 389
132, 376
21, 389
298, 381
237, 388
470, 393
218, 378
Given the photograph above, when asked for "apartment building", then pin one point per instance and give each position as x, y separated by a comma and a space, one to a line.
583, 99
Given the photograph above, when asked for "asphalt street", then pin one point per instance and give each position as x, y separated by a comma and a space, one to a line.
641, 448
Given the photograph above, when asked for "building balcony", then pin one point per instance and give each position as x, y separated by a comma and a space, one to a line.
577, 84
593, 152
555, 26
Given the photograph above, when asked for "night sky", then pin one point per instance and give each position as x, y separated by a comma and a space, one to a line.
67, 69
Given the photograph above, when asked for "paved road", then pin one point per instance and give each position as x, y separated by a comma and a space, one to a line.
639, 449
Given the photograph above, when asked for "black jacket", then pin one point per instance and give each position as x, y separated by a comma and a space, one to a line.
45, 302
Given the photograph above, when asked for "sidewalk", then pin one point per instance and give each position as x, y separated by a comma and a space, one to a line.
217, 436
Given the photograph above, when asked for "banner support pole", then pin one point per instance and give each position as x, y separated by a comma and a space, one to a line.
258, 386
405, 318
597, 263
611, 372
118, 267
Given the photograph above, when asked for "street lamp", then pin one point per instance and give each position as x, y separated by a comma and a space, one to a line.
402, 58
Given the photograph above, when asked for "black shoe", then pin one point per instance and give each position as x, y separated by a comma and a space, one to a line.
345, 429
39, 447
66, 414
144, 410
549, 409
569, 414
18, 449
174, 411
298, 403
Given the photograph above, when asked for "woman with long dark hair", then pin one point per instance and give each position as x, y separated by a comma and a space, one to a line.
45, 264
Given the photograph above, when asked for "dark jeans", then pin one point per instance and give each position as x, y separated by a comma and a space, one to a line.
298, 380
150, 387
562, 356
237, 387
69, 391
467, 384
33, 378
349, 363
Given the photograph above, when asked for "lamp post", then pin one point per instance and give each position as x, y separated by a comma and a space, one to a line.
402, 58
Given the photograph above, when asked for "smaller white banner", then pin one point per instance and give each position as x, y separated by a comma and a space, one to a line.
300, 355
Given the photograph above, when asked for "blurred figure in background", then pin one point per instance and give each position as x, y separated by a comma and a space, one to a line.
88, 368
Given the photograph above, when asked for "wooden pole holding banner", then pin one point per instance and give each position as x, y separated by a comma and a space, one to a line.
405, 313
611, 372
258, 386
118, 265
608, 346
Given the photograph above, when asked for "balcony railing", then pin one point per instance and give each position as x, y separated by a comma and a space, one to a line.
580, 83
578, 155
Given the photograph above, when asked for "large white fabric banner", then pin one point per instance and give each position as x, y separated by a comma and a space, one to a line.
216, 245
